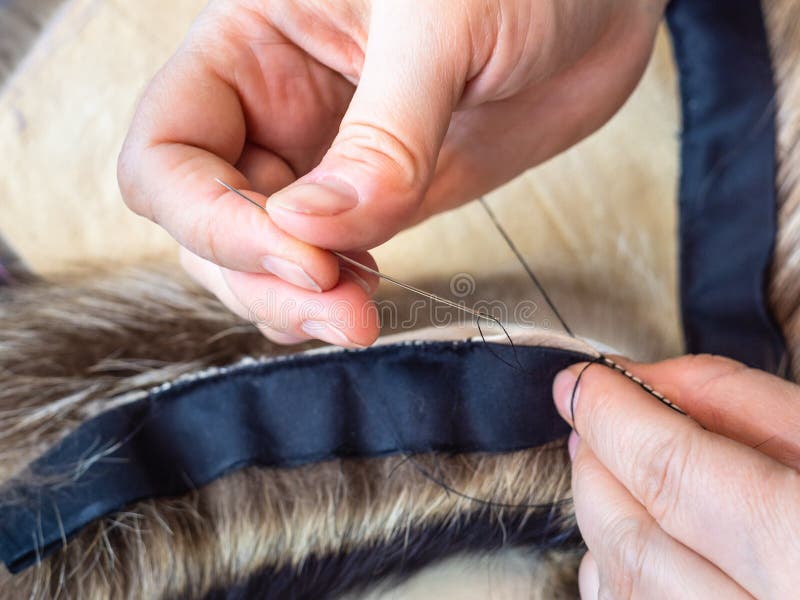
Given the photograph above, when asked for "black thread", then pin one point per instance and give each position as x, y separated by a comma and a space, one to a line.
575, 391
601, 359
482, 501
449, 489
510, 341
513, 247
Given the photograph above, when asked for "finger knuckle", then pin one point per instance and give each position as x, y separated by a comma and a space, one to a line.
716, 371
769, 501
127, 181
384, 151
659, 470
281, 338
205, 232
628, 540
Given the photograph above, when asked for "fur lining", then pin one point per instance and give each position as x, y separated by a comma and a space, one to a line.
782, 19
282, 521
75, 348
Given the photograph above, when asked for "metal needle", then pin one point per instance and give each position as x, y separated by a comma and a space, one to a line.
397, 282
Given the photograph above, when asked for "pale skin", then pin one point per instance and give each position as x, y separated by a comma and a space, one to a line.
352, 120
677, 507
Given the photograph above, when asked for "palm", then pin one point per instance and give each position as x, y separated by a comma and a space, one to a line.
385, 113
293, 102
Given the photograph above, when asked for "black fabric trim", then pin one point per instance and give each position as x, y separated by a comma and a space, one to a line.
328, 577
727, 190
437, 396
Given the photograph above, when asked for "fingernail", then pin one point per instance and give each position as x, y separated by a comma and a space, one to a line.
323, 198
572, 444
351, 274
322, 330
563, 388
290, 273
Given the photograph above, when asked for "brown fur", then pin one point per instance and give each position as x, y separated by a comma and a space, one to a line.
69, 345
68, 349
783, 20
223, 533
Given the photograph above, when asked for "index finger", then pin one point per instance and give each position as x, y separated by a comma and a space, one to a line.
725, 501
750, 406
189, 129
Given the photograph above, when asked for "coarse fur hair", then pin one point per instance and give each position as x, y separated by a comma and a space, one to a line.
71, 346
783, 24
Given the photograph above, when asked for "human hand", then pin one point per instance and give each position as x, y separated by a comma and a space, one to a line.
351, 120
672, 507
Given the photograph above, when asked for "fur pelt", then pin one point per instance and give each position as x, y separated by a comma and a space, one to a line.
72, 349
783, 23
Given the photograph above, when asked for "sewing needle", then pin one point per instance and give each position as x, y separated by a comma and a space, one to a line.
479, 315
397, 282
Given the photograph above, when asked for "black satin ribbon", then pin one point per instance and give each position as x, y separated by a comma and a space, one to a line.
727, 190
444, 396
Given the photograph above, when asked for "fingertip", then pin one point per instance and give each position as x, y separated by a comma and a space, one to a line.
281, 338
210, 276
343, 316
354, 312
291, 272
368, 281
353, 275
565, 391
572, 444
329, 333
365, 337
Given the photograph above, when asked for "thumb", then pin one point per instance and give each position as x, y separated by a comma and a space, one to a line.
373, 178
